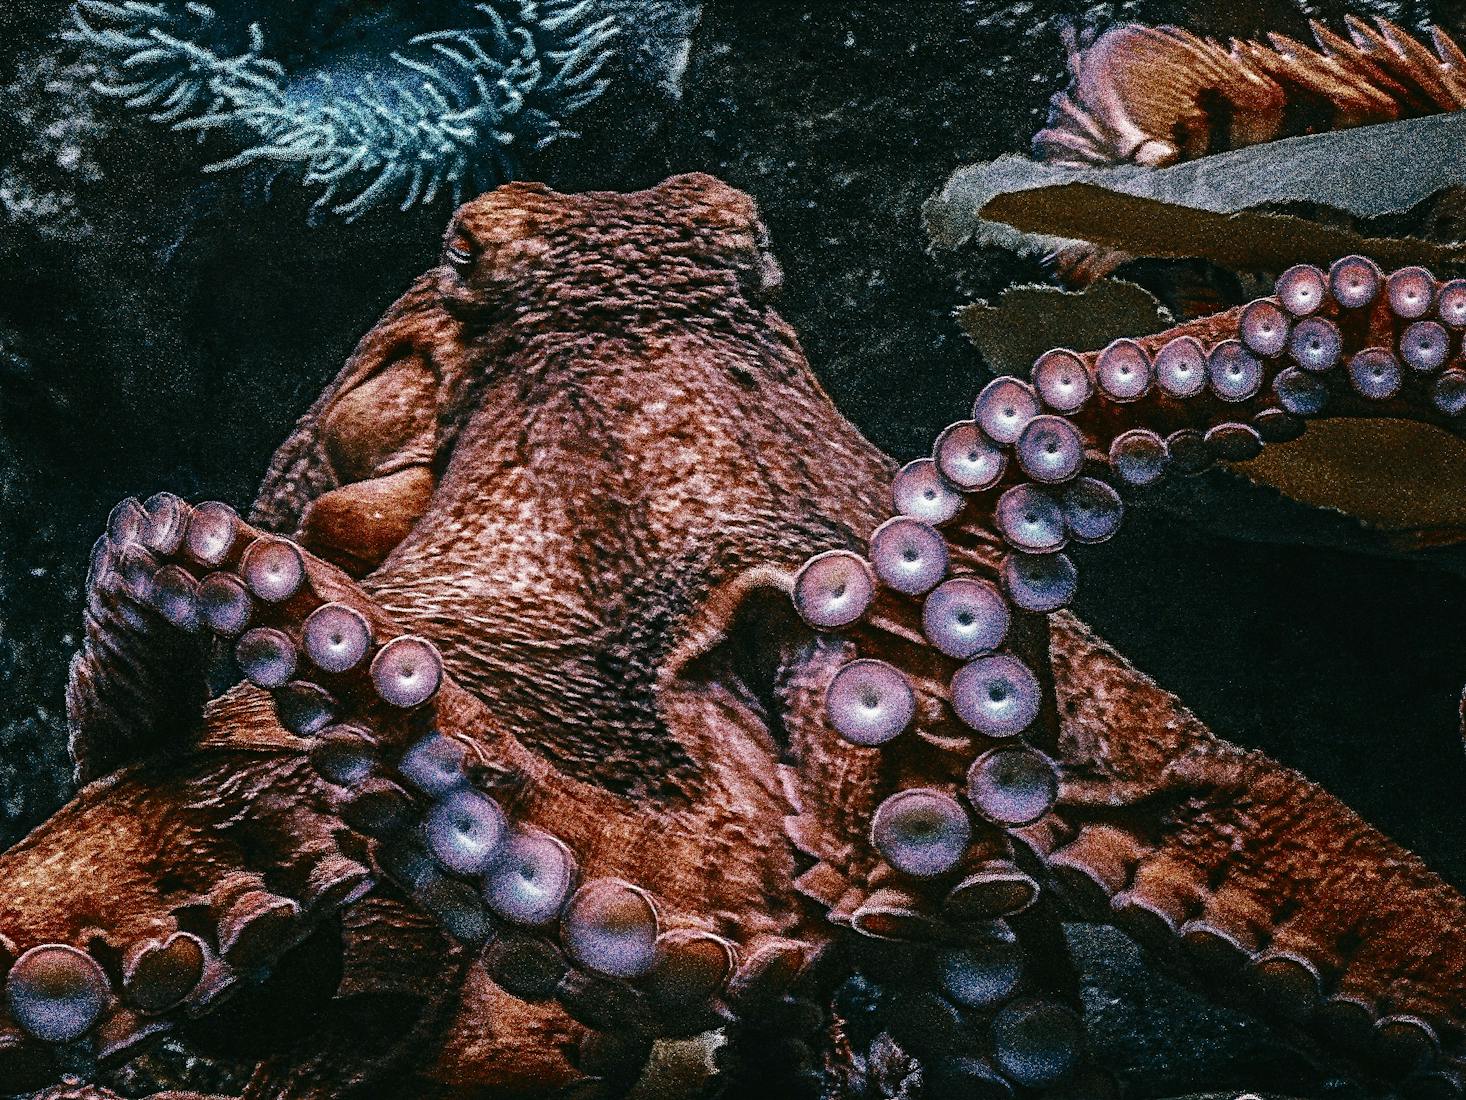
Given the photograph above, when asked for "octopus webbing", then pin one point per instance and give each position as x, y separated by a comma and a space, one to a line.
568, 690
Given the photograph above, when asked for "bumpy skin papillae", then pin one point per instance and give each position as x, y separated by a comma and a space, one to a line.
1136, 814
627, 459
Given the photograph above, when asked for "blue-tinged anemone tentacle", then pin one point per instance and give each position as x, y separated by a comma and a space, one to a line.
448, 110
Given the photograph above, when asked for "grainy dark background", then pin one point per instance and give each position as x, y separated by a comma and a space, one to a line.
161, 329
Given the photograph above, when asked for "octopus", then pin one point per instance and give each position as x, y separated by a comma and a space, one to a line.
582, 683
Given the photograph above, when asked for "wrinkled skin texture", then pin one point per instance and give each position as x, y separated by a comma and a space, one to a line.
584, 457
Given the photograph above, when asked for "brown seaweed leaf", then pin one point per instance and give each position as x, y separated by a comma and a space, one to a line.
1401, 478
1027, 321
1207, 207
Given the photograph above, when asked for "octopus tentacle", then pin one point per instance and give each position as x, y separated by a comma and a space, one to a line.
138, 680
510, 856
1141, 816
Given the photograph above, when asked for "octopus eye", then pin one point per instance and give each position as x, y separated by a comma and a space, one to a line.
460, 254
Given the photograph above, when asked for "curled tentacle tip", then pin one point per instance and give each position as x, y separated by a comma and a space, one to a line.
1355, 281
870, 702
981, 975
1004, 407
1050, 449
833, 589
56, 993
1037, 1043
1264, 328
966, 458
407, 671
272, 568
266, 656
1301, 289
1233, 372
1039, 582
965, 616
465, 831
611, 927
335, 637
1375, 374
1180, 367
1411, 292
1139, 457
224, 604
918, 491
996, 695
1124, 371
1092, 510
1012, 785
435, 765
921, 831
1425, 346
908, 555
1029, 518
532, 880
1061, 380
1316, 344
213, 529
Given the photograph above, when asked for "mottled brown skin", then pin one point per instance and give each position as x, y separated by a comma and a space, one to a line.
584, 455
